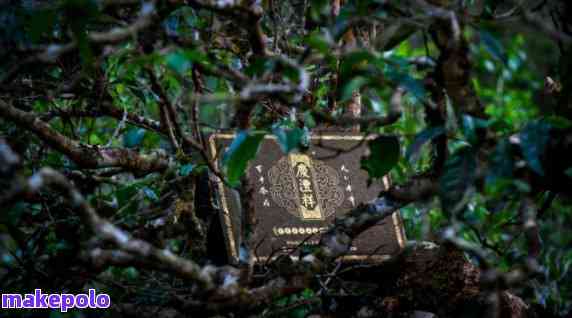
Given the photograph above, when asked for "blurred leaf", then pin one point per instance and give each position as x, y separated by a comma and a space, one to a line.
521, 186
178, 62
493, 46
558, 122
186, 170
421, 139
383, 156
133, 137
259, 66
568, 172
319, 42
309, 120
457, 178
490, 7
501, 165
150, 194
181, 61
182, 22
470, 125
300, 312
353, 86
242, 149
394, 34
290, 139
317, 9
533, 139
356, 62
124, 194
94, 139
411, 84
131, 273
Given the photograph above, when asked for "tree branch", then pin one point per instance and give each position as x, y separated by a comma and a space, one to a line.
86, 156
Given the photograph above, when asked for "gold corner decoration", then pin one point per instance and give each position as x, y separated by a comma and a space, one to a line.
225, 215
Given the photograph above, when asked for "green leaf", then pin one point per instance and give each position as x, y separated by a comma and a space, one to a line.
181, 61
493, 46
133, 137
533, 139
354, 85
299, 312
319, 42
186, 170
150, 194
259, 66
559, 122
356, 62
178, 62
242, 149
290, 139
470, 126
457, 178
94, 139
411, 84
131, 273
421, 139
568, 172
501, 163
309, 120
125, 194
383, 156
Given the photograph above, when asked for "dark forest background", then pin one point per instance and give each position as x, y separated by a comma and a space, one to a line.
105, 106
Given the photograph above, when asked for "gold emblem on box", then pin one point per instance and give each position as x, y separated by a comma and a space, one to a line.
306, 188
298, 195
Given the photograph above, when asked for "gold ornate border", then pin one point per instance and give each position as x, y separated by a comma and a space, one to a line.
227, 222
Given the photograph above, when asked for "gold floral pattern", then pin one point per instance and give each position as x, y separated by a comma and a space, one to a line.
306, 188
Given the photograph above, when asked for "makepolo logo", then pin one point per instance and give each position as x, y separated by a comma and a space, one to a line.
56, 301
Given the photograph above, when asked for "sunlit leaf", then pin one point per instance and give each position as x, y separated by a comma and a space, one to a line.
94, 139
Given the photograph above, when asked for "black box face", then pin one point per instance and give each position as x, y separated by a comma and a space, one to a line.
298, 195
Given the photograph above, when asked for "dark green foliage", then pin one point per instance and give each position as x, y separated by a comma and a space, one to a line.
243, 148
424, 137
457, 180
384, 153
291, 139
533, 140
